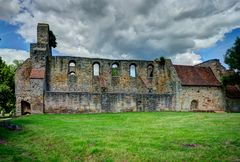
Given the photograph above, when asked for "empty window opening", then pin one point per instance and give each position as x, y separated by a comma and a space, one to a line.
72, 73
25, 108
133, 70
115, 69
71, 66
96, 69
194, 105
150, 71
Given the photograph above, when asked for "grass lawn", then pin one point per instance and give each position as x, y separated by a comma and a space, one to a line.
155, 136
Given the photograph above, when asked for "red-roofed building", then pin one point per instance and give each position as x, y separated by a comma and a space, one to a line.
199, 90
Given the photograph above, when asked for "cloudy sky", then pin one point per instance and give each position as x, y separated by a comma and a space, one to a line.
187, 31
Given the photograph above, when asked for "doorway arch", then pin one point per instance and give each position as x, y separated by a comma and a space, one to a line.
25, 108
194, 105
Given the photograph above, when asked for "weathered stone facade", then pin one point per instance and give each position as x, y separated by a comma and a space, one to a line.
64, 84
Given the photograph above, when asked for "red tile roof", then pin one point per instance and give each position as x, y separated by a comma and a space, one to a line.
196, 76
233, 91
37, 74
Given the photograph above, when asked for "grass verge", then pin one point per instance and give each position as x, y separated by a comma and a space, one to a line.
146, 136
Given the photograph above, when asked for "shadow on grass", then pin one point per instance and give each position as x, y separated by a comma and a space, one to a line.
9, 151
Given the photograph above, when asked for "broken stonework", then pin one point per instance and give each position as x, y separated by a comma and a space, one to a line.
64, 84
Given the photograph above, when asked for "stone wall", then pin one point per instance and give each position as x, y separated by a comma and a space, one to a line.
37, 100
22, 88
59, 78
79, 102
85, 92
207, 98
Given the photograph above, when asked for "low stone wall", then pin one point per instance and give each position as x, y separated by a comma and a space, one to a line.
80, 102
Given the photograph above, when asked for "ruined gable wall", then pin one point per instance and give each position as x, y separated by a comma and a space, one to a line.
30, 91
22, 88
216, 67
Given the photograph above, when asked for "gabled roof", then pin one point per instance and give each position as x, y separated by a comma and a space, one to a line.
37, 74
233, 91
196, 76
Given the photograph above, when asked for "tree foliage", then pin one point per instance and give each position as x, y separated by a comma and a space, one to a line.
232, 58
7, 85
52, 40
161, 60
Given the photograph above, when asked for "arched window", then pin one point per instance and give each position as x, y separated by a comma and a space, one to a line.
72, 73
71, 66
132, 70
115, 69
96, 69
150, 71
194, 105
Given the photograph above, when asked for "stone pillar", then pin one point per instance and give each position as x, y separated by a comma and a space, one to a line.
43, 33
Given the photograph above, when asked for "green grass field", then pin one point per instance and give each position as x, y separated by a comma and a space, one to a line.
157, 136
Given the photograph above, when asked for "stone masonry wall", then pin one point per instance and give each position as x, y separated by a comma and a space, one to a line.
22, 88
78, 102
37, 100
208, 98
59, 78
106, 93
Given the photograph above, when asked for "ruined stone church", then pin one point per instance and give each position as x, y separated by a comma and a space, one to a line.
66, 84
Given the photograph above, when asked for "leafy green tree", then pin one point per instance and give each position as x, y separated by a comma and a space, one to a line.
161, 60
114, 71
17, 63
52, 40
7, 85
232, 58
7, 98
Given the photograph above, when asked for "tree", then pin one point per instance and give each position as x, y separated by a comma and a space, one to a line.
52, 40
7, 95
7, 85
161, 60
232, 58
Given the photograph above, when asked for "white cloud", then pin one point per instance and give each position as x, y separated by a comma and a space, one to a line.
8, 9
142, 29
189, 58
8, 55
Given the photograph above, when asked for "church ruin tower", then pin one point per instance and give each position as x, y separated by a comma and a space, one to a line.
31, 77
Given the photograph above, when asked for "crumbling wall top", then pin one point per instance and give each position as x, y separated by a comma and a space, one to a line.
43, 33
